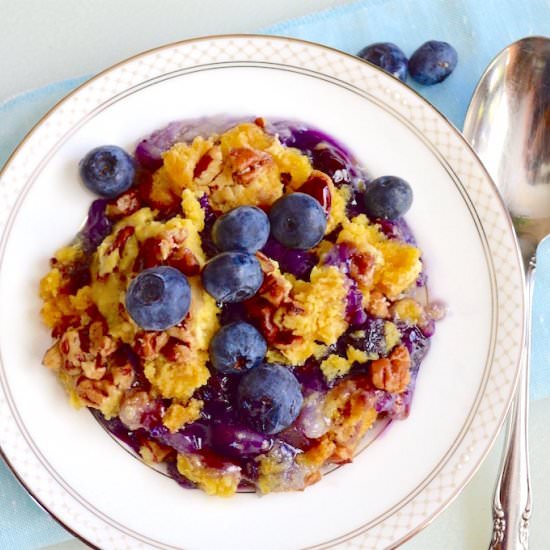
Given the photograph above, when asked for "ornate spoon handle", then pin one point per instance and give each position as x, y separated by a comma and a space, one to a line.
512, 499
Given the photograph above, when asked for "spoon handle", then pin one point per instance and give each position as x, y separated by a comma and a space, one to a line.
512, 498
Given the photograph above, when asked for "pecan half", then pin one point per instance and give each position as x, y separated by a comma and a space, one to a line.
318, 186
392, 374
247, 164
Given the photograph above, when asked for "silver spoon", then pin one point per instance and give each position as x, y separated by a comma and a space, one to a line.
508, 124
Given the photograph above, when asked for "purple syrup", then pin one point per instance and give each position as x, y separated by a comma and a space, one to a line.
355, 314
132, 438
210, 217
311, 377
396, 229
238, 441
297, 262
97, 226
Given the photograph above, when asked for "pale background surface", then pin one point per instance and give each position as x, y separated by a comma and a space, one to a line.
102, 32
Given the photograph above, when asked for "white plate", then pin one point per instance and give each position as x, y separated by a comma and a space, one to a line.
416, 467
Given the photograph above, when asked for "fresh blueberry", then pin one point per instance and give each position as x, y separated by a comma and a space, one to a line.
158, 298
387, 197
270, 398
433, 62
232, 276
387, 56
107, 171
236, 348
298, 221
244, 228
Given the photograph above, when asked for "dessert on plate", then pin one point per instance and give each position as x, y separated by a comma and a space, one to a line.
242, 304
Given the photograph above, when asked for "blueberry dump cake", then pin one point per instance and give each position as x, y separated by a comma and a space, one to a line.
242, 303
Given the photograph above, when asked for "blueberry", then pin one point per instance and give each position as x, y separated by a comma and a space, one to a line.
387, 56
236, 348
433, 62
107, 171
387, 197
269, 398
158, 298
298, 221
232, 276
244, 228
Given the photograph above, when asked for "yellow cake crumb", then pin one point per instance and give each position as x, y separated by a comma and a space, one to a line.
408, 310
319, 314
177, 415
391, 335
213, 481
335, 366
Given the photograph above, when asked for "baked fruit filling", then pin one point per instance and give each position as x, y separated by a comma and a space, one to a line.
242, 304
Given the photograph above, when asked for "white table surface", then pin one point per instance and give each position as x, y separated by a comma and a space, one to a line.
43, 41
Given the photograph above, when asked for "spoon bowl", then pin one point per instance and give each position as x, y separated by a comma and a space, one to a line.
508, 124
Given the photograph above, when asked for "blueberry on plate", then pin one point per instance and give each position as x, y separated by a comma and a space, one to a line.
158, 298
433, 62
244, 228
269, 398
107, 171
387, 56
298, 221
232, 276
237, 348
387, 197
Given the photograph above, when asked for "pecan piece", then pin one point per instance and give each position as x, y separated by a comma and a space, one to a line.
149, 344
361, 268
184, 260
124, 205
93, 392
318, 186
247, 164
121, 238
392, 374
209, 166
53, 358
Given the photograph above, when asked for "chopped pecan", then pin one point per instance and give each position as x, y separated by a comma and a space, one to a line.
121, 238
53, 358
175, 351
260, 121
208, 166
149, 344
124, 205
123, 376
93, 392
247, 164
94, 369
149, 255
362, 268
100, 343
392, 374
183, 259
349, 407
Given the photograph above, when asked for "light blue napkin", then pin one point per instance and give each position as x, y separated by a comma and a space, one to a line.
478, 30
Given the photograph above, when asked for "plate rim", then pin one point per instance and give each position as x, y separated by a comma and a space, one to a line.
262, 37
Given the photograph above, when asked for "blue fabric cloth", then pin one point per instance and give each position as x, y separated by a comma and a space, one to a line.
478, 30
